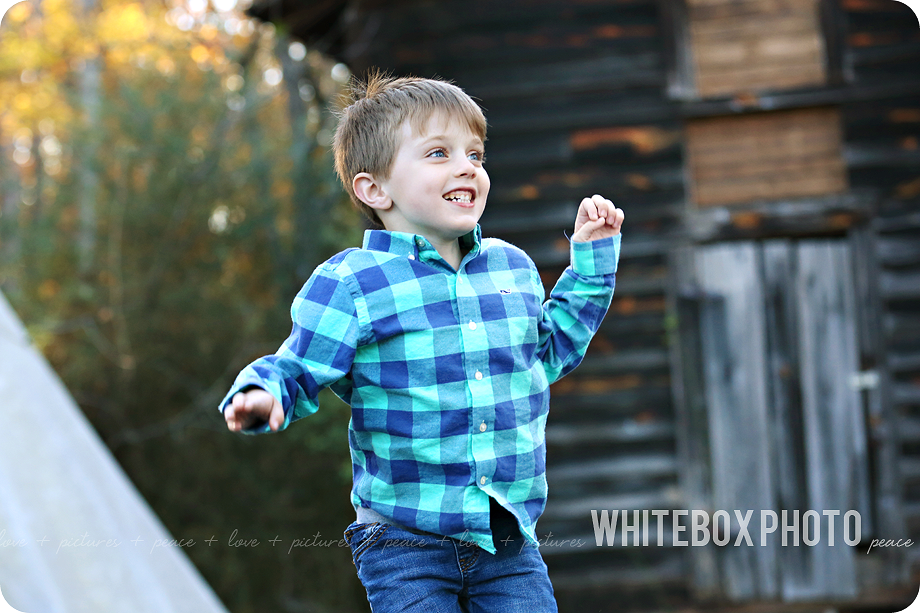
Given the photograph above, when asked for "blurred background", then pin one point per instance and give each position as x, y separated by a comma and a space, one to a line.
166, 187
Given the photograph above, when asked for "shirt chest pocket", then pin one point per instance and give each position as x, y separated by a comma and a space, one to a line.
511, 317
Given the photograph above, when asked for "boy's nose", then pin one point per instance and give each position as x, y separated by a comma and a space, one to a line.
466, 167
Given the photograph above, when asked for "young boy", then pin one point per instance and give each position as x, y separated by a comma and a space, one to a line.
442, 344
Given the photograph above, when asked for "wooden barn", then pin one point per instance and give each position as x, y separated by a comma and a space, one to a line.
763, 348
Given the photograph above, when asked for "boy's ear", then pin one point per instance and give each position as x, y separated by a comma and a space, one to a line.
370, 191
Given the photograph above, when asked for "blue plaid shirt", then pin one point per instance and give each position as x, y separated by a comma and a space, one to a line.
447, 372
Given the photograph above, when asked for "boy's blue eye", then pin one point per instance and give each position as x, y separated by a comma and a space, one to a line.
438, 153
477, 156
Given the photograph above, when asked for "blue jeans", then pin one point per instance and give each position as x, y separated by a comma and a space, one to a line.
408, 571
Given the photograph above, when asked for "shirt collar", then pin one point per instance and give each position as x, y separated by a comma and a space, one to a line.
405, 243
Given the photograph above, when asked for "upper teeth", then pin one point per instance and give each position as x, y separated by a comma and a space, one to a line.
460, 196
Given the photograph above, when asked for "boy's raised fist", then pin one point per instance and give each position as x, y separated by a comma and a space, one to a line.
597, 218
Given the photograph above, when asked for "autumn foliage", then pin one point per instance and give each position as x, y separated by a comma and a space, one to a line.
165, 189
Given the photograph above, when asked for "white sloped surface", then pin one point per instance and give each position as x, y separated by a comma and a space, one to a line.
69, 516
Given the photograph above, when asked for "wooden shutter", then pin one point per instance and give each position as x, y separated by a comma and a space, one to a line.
751, 45
765, 156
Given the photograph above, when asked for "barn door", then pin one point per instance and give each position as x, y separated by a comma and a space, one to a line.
772, 418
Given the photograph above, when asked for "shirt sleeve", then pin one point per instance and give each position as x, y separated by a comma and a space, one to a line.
577, 305
318, 353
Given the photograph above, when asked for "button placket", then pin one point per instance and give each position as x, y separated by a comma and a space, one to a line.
476, 350
467, 306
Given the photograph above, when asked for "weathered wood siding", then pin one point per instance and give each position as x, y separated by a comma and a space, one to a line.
777, 329
875, 87
765, 156
578, 94
883, 153
755, 45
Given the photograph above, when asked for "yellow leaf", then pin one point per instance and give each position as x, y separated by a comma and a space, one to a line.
20, 12
208, 32
126, 23
118, 56
22, 102
165, 65
42, 100
200, 54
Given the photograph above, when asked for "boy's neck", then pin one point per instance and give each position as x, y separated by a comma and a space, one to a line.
450, 251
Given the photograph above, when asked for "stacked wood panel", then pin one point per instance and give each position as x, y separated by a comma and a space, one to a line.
755, 45
766, 156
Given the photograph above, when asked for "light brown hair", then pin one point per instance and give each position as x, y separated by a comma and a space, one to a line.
372, 113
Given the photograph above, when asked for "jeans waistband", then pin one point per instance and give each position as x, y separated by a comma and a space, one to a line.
370, 516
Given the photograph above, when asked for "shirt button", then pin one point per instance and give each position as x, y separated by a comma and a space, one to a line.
460, 280
482, 481
478, 376
483, 427
472, 325
411, 257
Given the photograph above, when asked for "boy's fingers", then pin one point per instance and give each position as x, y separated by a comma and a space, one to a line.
230, 413
259, 402
590, 209
611, 208
242, 404
276, 418
233, 424
601, 204
247, 408
264, 403
588, 228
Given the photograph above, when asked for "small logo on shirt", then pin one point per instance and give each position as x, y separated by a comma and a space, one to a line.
504, 291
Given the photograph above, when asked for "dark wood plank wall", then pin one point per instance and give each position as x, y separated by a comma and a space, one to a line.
882, 138
576, 97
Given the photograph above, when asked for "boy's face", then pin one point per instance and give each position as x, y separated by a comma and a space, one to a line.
437, 184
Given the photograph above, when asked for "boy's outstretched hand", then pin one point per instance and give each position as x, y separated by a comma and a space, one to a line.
597, 218
251, 408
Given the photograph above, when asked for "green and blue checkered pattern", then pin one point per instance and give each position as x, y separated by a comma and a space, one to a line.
447, 372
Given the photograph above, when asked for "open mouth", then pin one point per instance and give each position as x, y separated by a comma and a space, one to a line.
461, 196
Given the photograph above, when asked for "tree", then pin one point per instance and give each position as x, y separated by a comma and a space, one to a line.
211, 168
